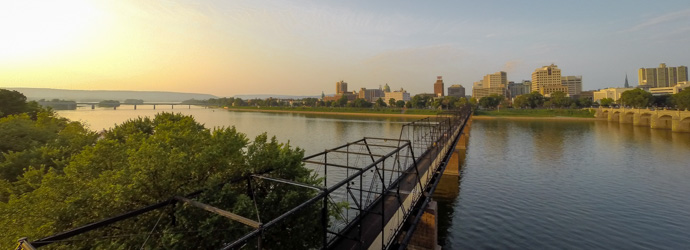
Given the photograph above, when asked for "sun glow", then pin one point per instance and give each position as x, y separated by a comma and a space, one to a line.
29, 29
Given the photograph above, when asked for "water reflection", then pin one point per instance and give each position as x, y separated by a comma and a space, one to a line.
571, 184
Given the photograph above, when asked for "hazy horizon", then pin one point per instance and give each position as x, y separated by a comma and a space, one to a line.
302, 47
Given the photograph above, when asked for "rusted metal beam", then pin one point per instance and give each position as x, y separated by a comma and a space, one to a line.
220, 212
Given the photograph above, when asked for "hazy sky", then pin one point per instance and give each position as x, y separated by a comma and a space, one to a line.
233, 47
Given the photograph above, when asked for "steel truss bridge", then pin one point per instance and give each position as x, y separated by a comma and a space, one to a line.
379, 187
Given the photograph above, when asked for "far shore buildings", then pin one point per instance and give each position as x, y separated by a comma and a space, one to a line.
662, 76
516, 89
340, 91
401, 95
548, 79
438, 86
491, 84
456, 90
613, 93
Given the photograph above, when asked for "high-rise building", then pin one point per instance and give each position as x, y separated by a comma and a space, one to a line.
662, 76
496, 80
386, 88
573, 83
340, 87
491, 84
371, 95
438, 86
547, 80
456, 90
516, 89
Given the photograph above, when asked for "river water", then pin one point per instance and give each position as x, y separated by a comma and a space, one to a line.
524, 184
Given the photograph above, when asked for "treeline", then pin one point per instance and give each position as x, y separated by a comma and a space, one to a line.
418, 101
56, 175
535, 100
638, 98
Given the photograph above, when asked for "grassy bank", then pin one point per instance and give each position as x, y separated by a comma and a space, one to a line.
387, 111
579, 113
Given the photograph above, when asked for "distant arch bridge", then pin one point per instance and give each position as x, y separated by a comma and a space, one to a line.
675, 120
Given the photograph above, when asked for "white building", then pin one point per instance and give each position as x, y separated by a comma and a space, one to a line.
397, 95
613, 93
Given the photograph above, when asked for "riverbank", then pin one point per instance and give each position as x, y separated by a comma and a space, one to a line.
538, 113
528, 118
340, 113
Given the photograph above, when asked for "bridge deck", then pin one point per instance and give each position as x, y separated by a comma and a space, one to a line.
373, 223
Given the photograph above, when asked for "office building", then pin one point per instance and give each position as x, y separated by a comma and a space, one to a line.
662, 76
491, 84
397, 95
340, 87
438, 86
370, 95
456, 90
613, 93
547, 80
573, 83
516, 89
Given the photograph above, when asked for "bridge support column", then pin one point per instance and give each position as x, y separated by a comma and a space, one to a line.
190, 106
426, 234
115, 108
172, 106
135, 107
154, 106
93, 106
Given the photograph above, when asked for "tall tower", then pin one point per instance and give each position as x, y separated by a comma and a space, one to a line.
626, 81
438, 86
340, 87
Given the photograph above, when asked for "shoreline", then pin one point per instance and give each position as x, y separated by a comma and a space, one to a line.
555, 118
327, 113
478, 117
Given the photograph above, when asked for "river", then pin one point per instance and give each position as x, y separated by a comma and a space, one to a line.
524, 184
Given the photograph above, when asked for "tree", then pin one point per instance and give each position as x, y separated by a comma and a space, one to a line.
636, 98
144, 161
109, 103
342, 102
400, 103
491, 101
682, 99
584, 102
380, 103
606, 102
13, 102
535, 99
559, 99
391, 102
521, 101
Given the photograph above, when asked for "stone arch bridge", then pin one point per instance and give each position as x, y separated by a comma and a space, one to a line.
675, 120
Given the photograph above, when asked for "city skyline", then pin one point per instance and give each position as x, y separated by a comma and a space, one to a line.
301, 48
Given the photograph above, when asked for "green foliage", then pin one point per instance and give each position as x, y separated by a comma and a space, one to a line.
399, 104
636, 98
144, 161
560, 99
584, 102
109, 103
606, 102
380, 103
682, 99
491, 102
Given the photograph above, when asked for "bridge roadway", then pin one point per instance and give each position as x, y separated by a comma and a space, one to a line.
674, 120
379, 230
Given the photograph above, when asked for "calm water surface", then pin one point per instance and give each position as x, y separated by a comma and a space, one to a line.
524, 184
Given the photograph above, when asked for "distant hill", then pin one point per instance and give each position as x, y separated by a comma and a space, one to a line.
264, 96
100, 95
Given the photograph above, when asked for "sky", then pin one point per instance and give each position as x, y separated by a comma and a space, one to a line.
228, 48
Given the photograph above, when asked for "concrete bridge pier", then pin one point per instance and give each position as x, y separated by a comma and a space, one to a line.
115, 108
172, 106
154, 106
93, 106
135, 107
674, 120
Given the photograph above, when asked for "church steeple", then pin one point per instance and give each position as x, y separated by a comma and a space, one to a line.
626, 81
